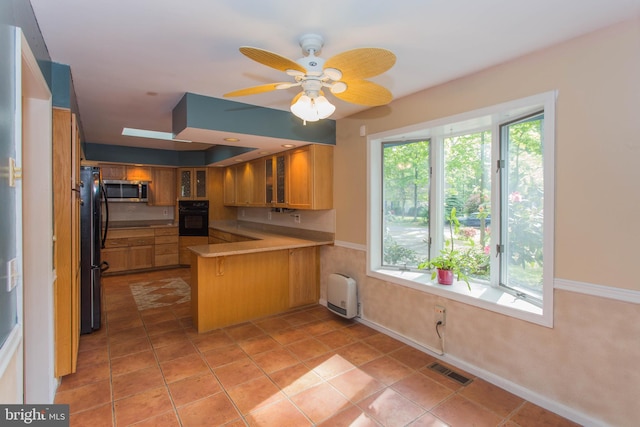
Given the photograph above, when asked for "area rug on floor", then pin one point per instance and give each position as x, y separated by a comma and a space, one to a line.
160, 293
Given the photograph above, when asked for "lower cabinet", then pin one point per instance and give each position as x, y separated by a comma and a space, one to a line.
129, 249
230, 289
166, 247
116, 257
185, 242
304, 273
134, 249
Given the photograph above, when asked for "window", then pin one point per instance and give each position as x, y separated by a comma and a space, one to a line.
522, 216
490, 173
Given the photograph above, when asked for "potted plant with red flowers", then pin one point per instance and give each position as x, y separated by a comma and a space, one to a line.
451, 262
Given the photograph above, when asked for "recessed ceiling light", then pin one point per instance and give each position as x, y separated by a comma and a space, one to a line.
288, 145
143, 133
232, 139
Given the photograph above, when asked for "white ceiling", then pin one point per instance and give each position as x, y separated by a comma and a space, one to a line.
132, 60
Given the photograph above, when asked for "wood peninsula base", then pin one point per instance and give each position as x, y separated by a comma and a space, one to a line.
231, 289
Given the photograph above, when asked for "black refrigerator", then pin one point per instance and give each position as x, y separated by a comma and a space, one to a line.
94, 224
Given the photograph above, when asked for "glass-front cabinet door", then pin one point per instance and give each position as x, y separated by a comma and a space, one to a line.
268, 181
185, 183
192, 183
275, 181
200, 184
280, 198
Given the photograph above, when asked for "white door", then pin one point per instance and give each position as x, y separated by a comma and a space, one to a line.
11, 329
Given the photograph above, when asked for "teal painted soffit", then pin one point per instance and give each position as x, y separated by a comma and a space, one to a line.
207, 113
154, 156
61, 85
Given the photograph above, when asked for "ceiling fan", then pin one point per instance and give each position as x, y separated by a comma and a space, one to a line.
343, 75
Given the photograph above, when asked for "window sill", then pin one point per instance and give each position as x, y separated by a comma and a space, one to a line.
482, 296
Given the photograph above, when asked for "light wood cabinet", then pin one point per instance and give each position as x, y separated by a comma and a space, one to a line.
225, 291
128, 172
140, 257
66, 250
310, 177
304, 276
231, 289
185, 242
117, 258
250, 183
192, 183
301, 178
229, 197
166, 247
129, 249
139, 173
162, 189
275, 180
111, 171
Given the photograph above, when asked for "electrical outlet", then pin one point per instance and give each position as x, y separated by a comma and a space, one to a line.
165, 212
439, 314
269, 215
296, 218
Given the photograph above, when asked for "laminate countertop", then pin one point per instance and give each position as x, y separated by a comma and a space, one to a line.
265, 238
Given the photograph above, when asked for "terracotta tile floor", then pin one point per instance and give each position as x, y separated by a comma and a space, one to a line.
301, 368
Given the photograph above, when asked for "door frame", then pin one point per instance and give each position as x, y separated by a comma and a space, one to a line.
37, 235
26, 358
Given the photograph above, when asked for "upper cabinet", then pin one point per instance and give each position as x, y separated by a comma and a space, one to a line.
310, 177
230, 174
125, 172
250, 179
192, 183
139, 173
297, 179
109, 171
162, 188
275, 180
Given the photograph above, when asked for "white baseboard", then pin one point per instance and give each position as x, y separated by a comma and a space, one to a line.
518, 390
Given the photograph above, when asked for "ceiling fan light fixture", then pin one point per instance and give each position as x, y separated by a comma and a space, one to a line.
312, 109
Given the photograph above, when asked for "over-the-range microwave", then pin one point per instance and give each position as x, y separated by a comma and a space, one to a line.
126, 191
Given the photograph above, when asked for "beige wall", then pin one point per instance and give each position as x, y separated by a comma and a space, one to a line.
597, 200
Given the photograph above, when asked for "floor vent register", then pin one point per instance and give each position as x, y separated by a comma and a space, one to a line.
441, 369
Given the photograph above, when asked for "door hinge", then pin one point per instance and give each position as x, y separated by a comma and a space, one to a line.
499, 249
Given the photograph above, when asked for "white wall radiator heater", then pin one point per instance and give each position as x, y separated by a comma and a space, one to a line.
342, 295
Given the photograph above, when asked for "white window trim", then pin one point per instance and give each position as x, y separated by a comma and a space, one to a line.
489, 297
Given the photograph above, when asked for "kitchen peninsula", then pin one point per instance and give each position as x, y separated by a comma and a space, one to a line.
261, 271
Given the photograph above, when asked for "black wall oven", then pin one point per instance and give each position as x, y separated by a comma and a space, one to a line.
193, 218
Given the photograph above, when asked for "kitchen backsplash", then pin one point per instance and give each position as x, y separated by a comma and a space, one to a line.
139, 212
323, 220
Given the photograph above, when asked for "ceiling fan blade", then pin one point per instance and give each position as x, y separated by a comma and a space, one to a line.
255, 89
295, 98
362, 63
271, 59
364, 92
